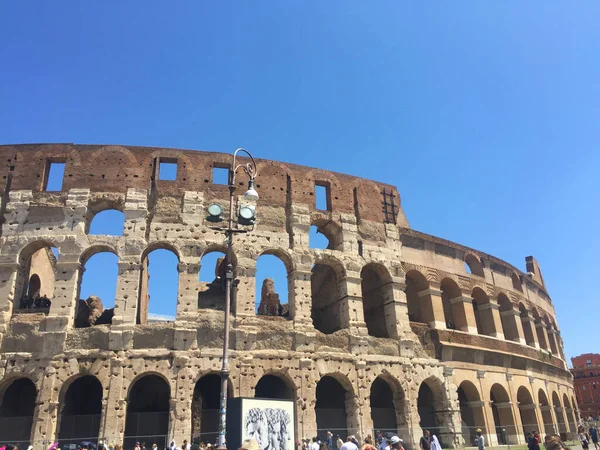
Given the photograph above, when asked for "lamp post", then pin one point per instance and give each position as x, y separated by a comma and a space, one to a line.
246, 216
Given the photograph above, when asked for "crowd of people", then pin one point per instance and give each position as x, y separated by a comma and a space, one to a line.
428, 441
551, 442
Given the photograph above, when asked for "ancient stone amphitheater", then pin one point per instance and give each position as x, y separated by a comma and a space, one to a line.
386, 329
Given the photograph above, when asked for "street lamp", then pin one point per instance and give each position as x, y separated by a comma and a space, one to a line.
246, 216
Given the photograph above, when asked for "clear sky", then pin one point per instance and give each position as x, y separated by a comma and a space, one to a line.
484, 114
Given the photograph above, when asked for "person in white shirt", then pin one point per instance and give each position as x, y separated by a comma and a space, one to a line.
315, 444
349, 445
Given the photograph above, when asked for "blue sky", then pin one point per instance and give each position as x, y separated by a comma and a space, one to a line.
484, 114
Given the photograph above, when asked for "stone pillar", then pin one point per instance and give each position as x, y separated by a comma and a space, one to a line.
306, 419
180, 425
45, 415
491, 321
529, 331
187, 293
10, 273
113, 426
432, 308
128, 292
448, 413
301, 299
464, 315
396, 310
552, 341
245, 292
66, 294
512, 326
491, 425
542, 334
351, 308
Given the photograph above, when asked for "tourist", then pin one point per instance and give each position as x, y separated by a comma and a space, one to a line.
329, 440
315, 444
534, 442
396, 443
594, 435
425, 442
350, 444
118, 447
185, 445
555, 444
480, 440
323, 446
583, 439
435, 444
339, 442
381, 441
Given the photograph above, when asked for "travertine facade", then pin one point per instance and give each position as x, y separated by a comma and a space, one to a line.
386, 329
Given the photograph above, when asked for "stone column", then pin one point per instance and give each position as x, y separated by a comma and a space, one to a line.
448, 413
245, 292
351, 308
552, 341
542, 334
181, 402
66, 294
45, 415
187, 293
464, 315
128, 292
491, 424
530, 332
432, 309
512, 326
306, 419
113, 426
301, 309
490, 319
10, 273
396, 309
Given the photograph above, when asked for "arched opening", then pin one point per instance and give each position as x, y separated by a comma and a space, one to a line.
551, 335
502, 414
383, 411
473, 265
527, 410
484, 314
36, 284
80, 411
211, 291
325, 234
377, 293
546, 413
272, 287
560, 417
273, 387
17, 406
516, 282
540, 329
205, 407
570, 415
159, 287
471, 412
330, 407
417, 309
428, 406
148, 412
527, 325
98, 290
109, 222
327, 291
453, 313
507, 317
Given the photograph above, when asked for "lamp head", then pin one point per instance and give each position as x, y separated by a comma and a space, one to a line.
251, 194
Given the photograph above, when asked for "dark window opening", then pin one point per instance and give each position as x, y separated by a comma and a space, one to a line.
167, 170
55, 174
221, 175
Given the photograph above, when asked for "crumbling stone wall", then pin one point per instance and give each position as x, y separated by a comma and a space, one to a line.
347, 311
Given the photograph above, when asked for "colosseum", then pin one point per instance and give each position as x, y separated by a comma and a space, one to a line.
386, 328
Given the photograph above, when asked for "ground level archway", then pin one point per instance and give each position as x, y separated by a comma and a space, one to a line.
81, 410
17, 406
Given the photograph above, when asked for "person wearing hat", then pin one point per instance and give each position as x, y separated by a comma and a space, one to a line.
480, 439
396, 443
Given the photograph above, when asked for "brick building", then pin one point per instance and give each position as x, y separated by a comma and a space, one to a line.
586, 374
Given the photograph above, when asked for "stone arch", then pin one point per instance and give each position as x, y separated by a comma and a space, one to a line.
393, 407
507, 318
97, 211
377, 292
148, 405
274, 385
105, 150
540, 329
335, 406
419, 310
547, 422
527, 410
451, 300
431, 406
328, 289
329, 228
559, 414
18, 397
269, 299
35, 282
471, 411
80, 409
483, 310
506, 432
211, 295
474, 265
205, 406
